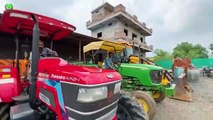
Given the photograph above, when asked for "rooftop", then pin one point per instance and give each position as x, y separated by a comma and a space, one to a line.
118, 12
106, 5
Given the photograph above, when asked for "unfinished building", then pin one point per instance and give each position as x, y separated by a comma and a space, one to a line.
114, 23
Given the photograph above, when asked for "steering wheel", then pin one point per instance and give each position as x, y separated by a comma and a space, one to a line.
124, 60
117, 65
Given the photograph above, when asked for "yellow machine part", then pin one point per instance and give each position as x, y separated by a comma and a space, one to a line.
100, 64
22, 66
156, 95
134, 59
143, 104
164, 81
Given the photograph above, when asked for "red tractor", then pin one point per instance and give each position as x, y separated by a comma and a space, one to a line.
57, 90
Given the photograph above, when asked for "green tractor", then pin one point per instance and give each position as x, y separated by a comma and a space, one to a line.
142, 80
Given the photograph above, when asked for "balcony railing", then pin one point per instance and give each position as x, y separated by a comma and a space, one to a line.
143, 46
136, 41
88, 23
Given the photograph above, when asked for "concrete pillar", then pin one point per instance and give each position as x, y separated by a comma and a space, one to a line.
51, 45
79, 54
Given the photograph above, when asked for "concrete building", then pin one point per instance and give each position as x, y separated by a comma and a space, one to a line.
116, 24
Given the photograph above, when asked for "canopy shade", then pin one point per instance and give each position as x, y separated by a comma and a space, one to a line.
16, 21
104, 45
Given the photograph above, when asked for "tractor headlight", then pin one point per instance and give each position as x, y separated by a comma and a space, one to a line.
117, 87
92, 94
156, 76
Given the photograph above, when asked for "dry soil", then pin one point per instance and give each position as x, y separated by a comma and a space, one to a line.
200, 109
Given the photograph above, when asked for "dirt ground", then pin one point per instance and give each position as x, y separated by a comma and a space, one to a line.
200, 109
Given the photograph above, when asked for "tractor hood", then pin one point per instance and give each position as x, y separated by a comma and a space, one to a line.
141, 66
58, 69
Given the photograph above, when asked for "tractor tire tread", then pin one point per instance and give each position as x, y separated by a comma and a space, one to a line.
149, 100
4, 111
130, 104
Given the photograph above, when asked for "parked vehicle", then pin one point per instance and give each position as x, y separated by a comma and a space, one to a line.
207, 71
138, 78
57, 90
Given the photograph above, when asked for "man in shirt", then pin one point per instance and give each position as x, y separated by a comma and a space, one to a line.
108, 61
44, 51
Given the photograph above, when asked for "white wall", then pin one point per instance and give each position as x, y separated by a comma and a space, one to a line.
132, 30
97, 15
107, 31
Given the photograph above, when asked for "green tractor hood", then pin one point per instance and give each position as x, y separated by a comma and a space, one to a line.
140, 72
140, 66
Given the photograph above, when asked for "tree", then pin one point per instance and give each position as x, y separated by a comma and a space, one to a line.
211, 47
186, 49
162, 55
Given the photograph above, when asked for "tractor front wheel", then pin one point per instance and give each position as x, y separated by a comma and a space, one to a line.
4, 111
146, 102
158, 96
128, 109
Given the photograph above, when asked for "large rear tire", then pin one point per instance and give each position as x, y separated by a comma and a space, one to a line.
128, 109
158, 96
4, 111
147, 102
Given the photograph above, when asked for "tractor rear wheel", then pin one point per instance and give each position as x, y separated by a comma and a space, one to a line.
128, 109
4, 111
158, 96
146, 102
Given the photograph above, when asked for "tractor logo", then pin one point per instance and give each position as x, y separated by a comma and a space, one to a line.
110, 76
61, 77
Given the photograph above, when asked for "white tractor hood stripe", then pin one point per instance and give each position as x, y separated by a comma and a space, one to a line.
7, 80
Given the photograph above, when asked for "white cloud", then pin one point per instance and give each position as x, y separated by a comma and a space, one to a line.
3, 3
172, 21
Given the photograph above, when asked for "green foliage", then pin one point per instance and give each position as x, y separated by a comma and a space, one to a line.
161, 55
186, 49
211, 47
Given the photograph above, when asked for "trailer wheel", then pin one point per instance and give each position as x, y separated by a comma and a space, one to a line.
158, 96
128, 109
4, 111
146, 102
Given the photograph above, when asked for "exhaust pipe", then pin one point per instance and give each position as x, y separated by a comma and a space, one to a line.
34, 67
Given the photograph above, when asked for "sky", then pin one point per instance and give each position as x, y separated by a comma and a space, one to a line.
172, 21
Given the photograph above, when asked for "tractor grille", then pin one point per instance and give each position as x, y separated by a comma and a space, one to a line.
88, 111
47, 97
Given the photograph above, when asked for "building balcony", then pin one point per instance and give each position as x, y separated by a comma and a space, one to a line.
144, 46
88, 23
120, 36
